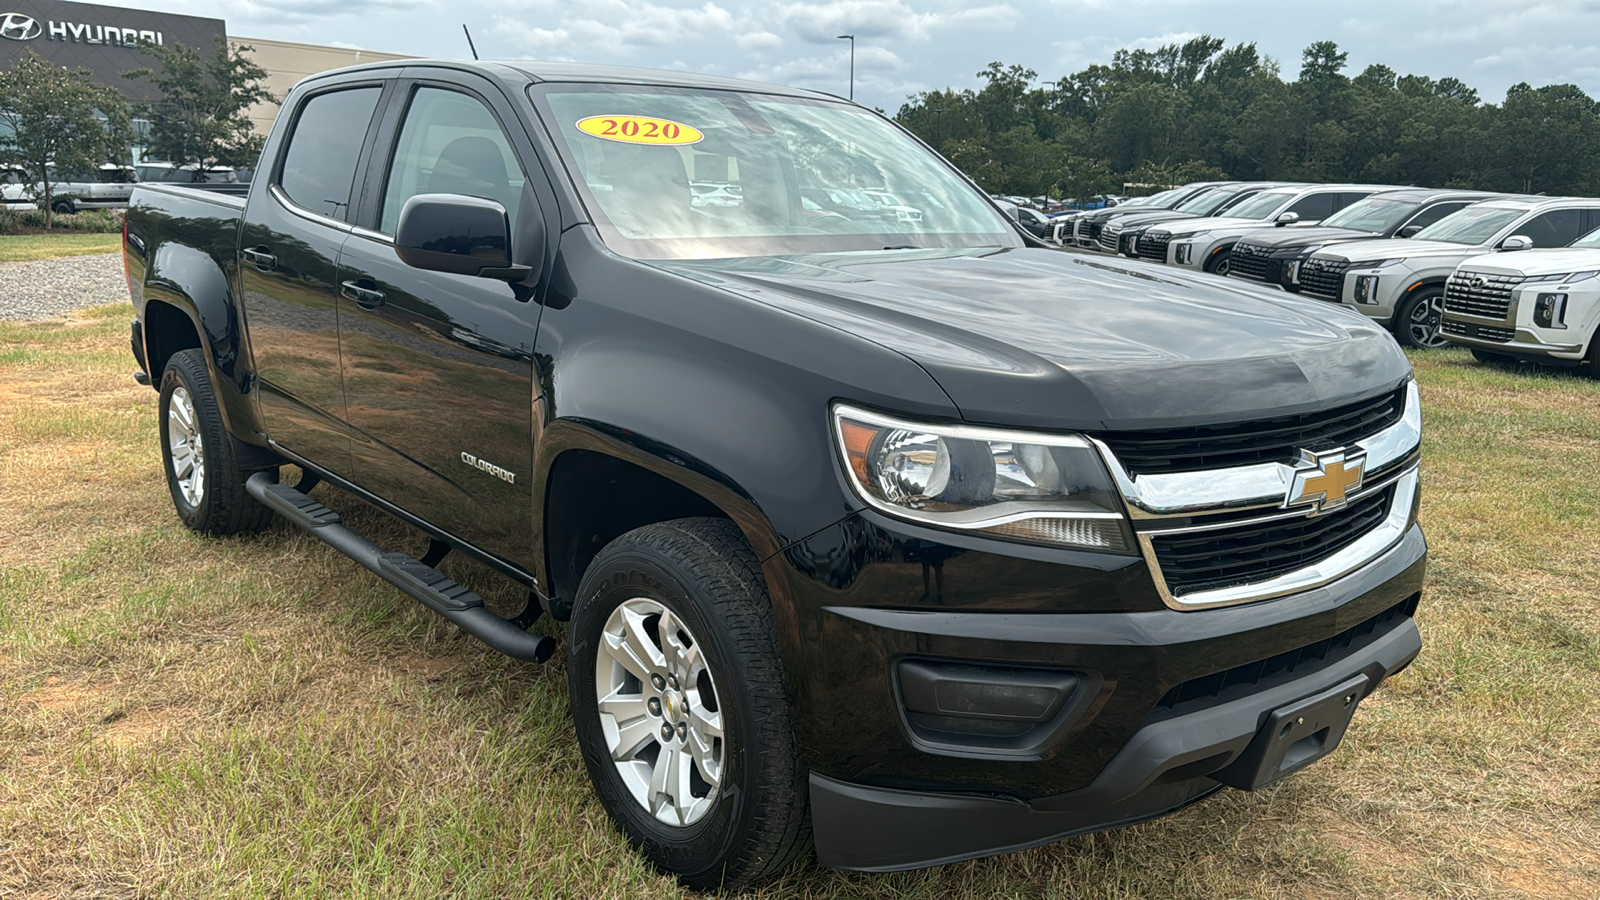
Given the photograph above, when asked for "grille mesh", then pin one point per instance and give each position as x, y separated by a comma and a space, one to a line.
1323, 278
1277, 439
1153, 246
1249, 261
1480, 294
1243, 554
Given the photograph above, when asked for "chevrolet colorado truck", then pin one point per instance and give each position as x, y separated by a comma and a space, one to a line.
1401, 282
1540, 306
1273, 257
910, 540
1206, 244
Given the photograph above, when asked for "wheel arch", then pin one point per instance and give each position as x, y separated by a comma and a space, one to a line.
595, 483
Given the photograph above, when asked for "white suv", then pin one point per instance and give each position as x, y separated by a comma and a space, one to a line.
1539, 305
1401, 282
1206, 243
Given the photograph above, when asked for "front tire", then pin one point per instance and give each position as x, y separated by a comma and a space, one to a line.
679, 704
203, 474
64, 207
1220, 262
1417, 320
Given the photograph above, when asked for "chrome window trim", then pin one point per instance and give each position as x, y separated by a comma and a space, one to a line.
282, 196
1248, 487
1369, 549
371, 235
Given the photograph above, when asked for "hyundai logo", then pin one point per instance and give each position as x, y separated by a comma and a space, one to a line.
18, 27
1478, 281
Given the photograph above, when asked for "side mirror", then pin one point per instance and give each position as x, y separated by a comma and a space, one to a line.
1409, 231
1516, 242
1288, 218
458, 234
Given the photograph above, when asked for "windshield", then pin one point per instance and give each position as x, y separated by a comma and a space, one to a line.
771, 175
1590, 241
1261, 205
1205, 201
1472, 226
1372, 215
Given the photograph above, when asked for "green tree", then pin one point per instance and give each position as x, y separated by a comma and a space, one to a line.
201, 118
57, 120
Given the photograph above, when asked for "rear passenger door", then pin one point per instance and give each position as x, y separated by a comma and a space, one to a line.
295, 222
438, 368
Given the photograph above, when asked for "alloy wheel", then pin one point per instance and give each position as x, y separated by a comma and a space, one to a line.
1425, 318
659, 710
186, 447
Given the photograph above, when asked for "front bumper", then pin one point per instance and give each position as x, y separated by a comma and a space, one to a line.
1171, 762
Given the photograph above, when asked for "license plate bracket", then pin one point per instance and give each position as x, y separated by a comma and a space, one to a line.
1296, 735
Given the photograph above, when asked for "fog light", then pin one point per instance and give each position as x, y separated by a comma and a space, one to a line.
1551, 311
1183, 256
1366, 288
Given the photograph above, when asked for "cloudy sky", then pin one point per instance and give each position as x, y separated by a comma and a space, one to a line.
904, 46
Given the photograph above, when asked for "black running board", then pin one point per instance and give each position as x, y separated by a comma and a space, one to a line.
427, 585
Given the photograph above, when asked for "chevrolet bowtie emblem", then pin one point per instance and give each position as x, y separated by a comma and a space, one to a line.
1323, 481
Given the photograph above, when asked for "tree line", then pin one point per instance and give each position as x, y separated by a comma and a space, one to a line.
53, 117
1202, 110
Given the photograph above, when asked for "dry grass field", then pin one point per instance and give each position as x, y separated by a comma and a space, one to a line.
259, 717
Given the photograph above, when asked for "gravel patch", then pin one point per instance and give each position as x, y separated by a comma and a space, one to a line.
52, 288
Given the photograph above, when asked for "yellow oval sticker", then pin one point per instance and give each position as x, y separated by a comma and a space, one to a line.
639, 130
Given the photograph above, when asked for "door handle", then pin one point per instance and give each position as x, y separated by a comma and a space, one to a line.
368, 298
261, 257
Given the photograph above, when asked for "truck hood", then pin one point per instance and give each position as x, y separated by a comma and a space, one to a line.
1055, 340
1535, 262
1305, 236
1398, 248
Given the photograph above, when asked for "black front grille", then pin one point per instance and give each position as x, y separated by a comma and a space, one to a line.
1278, 439
1153, 245
1323, 278
1249, 261
1250, 678
1095, 227
1478, 294
1481, 332
1242, 554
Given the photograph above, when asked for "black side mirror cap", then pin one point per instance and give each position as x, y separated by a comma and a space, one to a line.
458, 234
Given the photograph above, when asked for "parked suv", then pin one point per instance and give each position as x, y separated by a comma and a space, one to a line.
1536, 305
1273, 257
1086, 228
1401, 283
903, 534
1120, 233
1206, 244
109, 186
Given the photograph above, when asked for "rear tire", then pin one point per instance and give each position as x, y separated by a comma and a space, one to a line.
673, 668
203, 475
64, 207
1416, 321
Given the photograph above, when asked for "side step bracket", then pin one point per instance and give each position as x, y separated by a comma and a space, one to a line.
422, 582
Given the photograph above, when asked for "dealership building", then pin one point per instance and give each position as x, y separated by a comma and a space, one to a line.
109, 41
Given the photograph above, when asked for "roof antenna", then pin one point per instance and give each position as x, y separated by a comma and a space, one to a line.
470, 45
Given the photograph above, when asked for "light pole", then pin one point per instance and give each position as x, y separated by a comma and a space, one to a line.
852, 39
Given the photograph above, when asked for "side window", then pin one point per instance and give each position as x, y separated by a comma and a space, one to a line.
1556, 228
1434, 213
320, 165
450, 144
1348, 198
1313, 208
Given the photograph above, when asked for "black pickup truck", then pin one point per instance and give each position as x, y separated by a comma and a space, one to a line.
901, 532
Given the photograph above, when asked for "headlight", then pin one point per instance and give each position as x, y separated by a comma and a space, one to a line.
1374, 264
1037, 488
1569, 278
1551, 311
1291, 272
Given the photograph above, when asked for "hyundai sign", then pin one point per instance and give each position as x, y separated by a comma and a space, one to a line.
106, 40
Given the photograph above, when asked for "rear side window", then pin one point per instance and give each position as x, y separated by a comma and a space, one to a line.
320, 164
1556, 228
1314, 208
1434, 213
